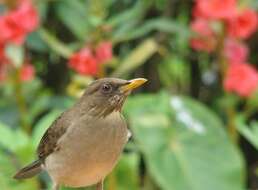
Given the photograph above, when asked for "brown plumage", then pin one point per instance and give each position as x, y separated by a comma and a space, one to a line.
84, 143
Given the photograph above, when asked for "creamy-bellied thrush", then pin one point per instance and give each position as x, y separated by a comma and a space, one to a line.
84, 143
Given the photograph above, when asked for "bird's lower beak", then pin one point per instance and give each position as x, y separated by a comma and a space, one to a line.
132, 84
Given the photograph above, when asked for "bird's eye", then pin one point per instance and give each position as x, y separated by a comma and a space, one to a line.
106, 88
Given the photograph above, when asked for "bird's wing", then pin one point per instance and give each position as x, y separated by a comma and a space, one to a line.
48, 143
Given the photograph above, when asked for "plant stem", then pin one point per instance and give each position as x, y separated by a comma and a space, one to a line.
21, 103
220, 52
222, 62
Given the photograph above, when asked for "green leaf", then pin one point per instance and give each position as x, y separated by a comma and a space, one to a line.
125, 22
7, 170
125, 175
137, 57
12, 139
56, 45
35, 42
184, 144
43, 125
74, 15
249, 132
15, 53
159, 24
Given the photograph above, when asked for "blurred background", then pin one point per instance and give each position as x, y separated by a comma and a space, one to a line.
194, 123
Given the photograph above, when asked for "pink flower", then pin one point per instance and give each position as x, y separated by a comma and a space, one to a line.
16, 24
202, 27
205, 37
243, 25
215, 9
235, 52
84, 62
104, 52
242, 79
27, 72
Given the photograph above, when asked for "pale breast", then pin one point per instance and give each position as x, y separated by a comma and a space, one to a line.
88, 151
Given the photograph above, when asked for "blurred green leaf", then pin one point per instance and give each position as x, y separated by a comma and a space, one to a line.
184, 144
15, 53
9, 114
137, 57
125, 175
125, 22
131, 14
35, 42
249, 132
47, 102
74, 15
59, 47
158, 24
174, 71
12, 139
7, 170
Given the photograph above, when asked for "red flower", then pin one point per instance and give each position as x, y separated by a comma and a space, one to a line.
84, 62
198, 13
104, 52
242, 79
15, 25
205, 37
26, 17
215, 9
10, 32
27, 72
243, 25
235, 52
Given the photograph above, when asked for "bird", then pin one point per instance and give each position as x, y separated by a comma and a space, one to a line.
83, 145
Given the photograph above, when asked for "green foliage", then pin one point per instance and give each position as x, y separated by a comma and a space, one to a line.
14, 142
125, 176
184, 144
74, 15
17, 149
249, 132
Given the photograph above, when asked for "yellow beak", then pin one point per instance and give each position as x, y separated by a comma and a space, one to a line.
134, 83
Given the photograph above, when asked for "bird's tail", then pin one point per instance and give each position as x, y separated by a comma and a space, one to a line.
29, 171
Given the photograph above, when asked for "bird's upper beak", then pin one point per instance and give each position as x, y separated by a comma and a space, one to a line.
132, 84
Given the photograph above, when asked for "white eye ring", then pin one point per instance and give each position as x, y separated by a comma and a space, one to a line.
106, 88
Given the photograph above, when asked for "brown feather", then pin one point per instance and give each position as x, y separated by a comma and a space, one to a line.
48, 143
29, 171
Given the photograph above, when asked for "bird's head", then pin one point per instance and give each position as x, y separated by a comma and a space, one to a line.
106, 95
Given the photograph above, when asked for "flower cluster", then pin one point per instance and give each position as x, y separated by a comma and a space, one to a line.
216, 20
87, 61
15, 25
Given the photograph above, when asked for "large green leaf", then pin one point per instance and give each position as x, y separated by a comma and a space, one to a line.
184, 144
